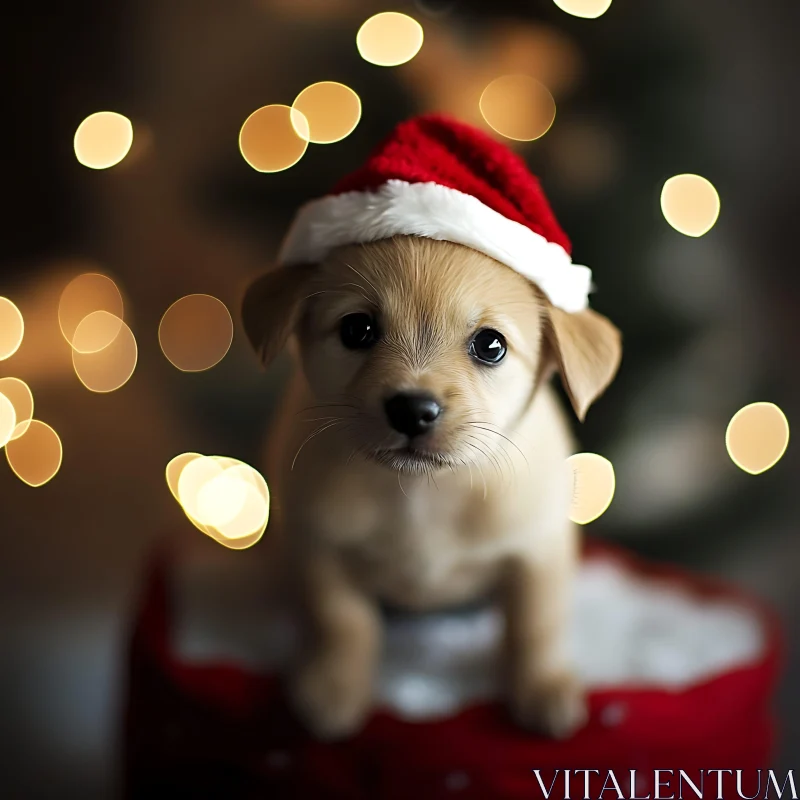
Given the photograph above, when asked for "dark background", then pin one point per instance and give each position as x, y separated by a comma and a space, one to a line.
645, 92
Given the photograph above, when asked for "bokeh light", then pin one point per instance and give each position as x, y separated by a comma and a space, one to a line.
331, 109
274, 138
82, 297
389, 39
111, 367
103, 139
223, 497
35, 457
196, 332
518, 107
193, 477
12, 328
594, 484
588, 9
507, 47
690, 204
175, 468
96, 331
8, 420
21, 397
253, 513
757, 437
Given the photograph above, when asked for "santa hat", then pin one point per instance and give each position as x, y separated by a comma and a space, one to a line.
442, 179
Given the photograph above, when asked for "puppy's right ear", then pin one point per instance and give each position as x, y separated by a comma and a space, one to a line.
271, 308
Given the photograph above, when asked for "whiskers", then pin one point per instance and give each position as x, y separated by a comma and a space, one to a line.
489, 445
493, 453
340, 421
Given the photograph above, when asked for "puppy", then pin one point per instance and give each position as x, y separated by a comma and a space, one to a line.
419, 459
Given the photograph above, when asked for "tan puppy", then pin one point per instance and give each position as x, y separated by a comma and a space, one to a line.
420, 459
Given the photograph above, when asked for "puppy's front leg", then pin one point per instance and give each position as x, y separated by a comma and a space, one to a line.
543, 691
332, 689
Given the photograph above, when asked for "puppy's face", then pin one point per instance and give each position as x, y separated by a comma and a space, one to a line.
424, 353
427, 350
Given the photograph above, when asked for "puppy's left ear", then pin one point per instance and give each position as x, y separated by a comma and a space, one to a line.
587, 349
271, 308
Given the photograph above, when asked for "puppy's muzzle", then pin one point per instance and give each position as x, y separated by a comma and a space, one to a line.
412, 413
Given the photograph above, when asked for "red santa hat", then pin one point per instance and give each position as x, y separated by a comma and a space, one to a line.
442, 179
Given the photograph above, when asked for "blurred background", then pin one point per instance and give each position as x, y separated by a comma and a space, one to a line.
644, 92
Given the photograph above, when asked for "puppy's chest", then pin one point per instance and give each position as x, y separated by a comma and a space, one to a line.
423, 552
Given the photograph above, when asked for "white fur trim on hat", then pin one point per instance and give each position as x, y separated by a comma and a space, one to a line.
436, 212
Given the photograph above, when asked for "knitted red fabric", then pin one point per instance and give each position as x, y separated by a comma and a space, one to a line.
437, 149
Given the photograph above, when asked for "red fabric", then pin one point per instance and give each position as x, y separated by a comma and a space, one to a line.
220, 731
437, 149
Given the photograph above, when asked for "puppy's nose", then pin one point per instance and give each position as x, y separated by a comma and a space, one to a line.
412, 413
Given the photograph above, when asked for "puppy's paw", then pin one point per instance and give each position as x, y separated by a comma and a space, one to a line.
554, 705
332, 696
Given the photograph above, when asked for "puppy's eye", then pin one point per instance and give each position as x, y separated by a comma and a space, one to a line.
358, 331
488, 346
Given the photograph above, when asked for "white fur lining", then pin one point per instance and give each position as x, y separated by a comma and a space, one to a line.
627, 631
436, 212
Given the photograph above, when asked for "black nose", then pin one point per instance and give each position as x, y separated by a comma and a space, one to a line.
412, 413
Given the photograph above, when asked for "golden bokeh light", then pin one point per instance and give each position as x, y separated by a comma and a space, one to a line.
196, 332
274, 138
175, 468
588, 9
690, 204
103, 139
21, 398
757, 437
389, 39
12, 328
193, 477
331, 109
518, 107
8, 420
251, 516
594, 484
96, 331
35, 457
82, 297
111, 367
240, 543
223, 497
